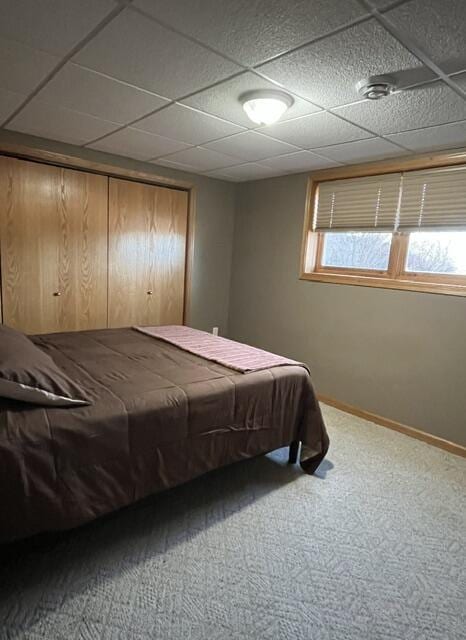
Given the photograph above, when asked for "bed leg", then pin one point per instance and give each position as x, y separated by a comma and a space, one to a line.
294, 448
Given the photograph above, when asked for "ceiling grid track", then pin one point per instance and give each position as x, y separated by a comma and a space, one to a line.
411, 45
103, 23
360, 134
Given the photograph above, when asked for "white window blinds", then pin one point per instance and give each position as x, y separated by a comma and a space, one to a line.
433, 199
369, 203
413, 200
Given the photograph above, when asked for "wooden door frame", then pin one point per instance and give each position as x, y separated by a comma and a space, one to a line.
24, 152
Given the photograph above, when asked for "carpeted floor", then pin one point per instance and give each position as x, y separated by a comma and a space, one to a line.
371, 547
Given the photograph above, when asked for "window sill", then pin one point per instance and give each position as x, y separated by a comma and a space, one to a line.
380, 282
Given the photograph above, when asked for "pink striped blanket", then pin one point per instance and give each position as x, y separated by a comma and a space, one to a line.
228, 353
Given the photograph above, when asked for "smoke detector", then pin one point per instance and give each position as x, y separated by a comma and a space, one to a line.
376, 87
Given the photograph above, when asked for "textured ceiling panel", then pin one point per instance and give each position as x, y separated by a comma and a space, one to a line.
243, 172
158, 79
383, 4
9, 102
55, 26
90, 92
427, 106
445, 136
327, 71
460, 80
251, 146
22, 68
251, 32
316, 131
137, 144
180, 166
438, 26
223, 99
361, 151
299, 161
45, 120
202, 159
139, 51
188, 125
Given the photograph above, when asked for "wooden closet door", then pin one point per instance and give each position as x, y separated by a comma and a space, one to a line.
147, 254
53, 247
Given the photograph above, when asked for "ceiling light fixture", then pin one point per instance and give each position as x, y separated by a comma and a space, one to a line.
376, 87
265, 107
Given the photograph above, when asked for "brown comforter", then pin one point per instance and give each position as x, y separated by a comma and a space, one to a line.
160, 416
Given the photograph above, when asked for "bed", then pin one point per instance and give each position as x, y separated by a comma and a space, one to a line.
159, 416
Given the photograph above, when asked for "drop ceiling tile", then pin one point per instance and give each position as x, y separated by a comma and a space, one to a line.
299, 161
188, 125
137, 144
218, 175
9, 101
429, 105
244, 172
438, 26
384, 4
327, 71
253, 31
47, 121
460, 80
251, 146
89, 92
22, 68
137, 50
316, 130
361, 150
201, 159
166, 162
223, 99
446, 136
55, 26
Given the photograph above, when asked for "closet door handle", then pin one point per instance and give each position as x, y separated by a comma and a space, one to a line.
57, 293
149, 293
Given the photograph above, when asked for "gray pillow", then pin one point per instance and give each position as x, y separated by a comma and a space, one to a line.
30, 375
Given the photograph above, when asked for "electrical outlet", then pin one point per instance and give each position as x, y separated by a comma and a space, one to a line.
215, 331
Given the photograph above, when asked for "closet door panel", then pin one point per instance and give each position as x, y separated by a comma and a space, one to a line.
147, 252
82, 261
29, 245
53, 247
129, 253
167, 275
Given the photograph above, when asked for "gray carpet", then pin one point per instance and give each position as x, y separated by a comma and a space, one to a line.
371, 547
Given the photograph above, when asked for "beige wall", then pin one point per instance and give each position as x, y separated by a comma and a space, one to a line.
213, 233
399, 354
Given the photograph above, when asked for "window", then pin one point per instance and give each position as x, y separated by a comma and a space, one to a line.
355, 250
437, 252
404, 230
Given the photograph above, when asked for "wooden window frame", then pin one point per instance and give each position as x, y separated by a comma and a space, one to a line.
395, 277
